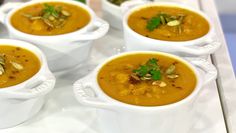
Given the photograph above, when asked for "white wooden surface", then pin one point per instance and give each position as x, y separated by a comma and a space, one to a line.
226, 77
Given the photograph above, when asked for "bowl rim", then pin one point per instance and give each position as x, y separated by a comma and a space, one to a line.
196, 41
36, 51
103, 96
79, 31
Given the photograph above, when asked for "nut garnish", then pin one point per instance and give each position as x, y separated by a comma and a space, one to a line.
17, 65
173, 76
65, 13
2, 64
173, 23
52, 16
170, 69
166, 20
1, 70
134, 79
159, 83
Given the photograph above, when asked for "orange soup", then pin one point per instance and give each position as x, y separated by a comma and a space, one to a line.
51, 18
147, 79
168, 23
16, 65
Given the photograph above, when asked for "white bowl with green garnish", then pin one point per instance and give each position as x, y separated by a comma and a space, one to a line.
137, 92
25, 80
168, 27
63, 29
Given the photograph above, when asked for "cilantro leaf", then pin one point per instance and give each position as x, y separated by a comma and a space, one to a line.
141, 71
152, 61
51, 10
156, 74
165, 19
153, 23
152, 64
150, 69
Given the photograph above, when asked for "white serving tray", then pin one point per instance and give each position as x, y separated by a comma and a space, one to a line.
63, 114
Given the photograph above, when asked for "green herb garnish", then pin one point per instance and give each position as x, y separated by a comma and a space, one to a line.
141, 71
50, 10
153, 73
156, 74
165, 19
153, 23
150, 70
53, 17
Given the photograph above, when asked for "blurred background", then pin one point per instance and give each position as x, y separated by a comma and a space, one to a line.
227, 13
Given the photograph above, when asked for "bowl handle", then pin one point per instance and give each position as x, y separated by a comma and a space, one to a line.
101, 28
209, 69
82, 87
40, 87
4, 9
208, 48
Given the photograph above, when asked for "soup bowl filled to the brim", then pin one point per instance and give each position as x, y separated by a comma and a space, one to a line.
63, 51
21, 101
117, 115
203, 45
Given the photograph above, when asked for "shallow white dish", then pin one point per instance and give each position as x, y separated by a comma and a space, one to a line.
71, 49
22, 101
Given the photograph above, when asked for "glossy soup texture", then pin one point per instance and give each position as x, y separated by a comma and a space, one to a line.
13, 75
78, 18
114, 79
193, 26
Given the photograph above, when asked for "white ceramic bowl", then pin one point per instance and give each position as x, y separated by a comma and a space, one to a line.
119, 117
113, 14
204, 45
20, 102
63, 51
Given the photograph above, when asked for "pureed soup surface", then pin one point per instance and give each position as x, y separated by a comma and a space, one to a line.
51, 18
16, 65
126, 79
168, 23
